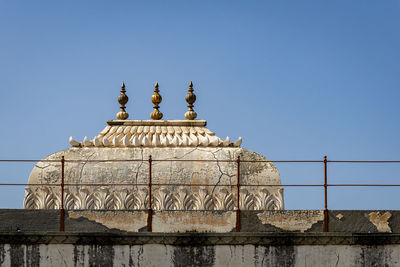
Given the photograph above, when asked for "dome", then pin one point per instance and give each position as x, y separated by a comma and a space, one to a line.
192, 169
181, 164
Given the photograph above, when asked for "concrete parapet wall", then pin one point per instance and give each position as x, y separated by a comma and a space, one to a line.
353, 221
199, 238
199, 249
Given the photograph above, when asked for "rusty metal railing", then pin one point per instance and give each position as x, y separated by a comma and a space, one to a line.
238, 185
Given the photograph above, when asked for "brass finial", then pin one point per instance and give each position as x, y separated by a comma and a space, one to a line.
156, 99
190, 99
122, 99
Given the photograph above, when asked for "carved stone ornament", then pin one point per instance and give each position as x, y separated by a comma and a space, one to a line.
156, 100
163, 198
190, 99
122, 100
156, 134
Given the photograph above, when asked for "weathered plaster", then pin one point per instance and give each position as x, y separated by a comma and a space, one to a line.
205, 221
125, 221
292, 220
380, 221
339, 216
353, 221
159, 254
220, 177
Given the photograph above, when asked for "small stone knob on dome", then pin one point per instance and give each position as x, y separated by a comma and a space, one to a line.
156, 99
122, 99
190, 99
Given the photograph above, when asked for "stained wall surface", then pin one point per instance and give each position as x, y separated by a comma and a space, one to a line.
195, 249
267, 238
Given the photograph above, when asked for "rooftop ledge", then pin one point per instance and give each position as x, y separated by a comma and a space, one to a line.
199, 239
158, 122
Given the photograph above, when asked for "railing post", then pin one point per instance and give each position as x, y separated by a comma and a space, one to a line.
326, 215
149, 210
62, 212
238, 194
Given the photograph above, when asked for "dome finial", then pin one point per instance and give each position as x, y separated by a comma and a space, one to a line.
156, 99
122, 99
190, 99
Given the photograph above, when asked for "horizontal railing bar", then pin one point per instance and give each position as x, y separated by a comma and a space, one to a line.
158, 160
27, 160
155, 184
283, 161
200, 160
106, 160
211, 185
249, 161
105, 184
194, 160
192, 185
364, 185
234, 185
73, 184
364, 161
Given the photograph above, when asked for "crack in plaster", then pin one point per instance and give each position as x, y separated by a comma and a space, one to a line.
220, 170
175, 157
337, 261
43, 167
84, 164
137, 170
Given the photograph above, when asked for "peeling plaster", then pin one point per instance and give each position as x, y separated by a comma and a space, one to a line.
292, 220
124, 221
192, 221
380, 221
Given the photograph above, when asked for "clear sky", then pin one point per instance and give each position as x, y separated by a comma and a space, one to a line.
296, 79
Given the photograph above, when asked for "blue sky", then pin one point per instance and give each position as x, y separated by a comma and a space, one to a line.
295, 79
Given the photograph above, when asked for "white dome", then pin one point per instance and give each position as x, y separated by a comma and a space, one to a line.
163, 140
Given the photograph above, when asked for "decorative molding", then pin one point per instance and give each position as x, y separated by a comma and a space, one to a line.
163, 135
136, 198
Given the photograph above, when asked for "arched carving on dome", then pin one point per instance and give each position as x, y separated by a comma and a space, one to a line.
30, 200
71, 201
246, 200
47, 199
204, 200
225, 200
164, 199
186, 200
